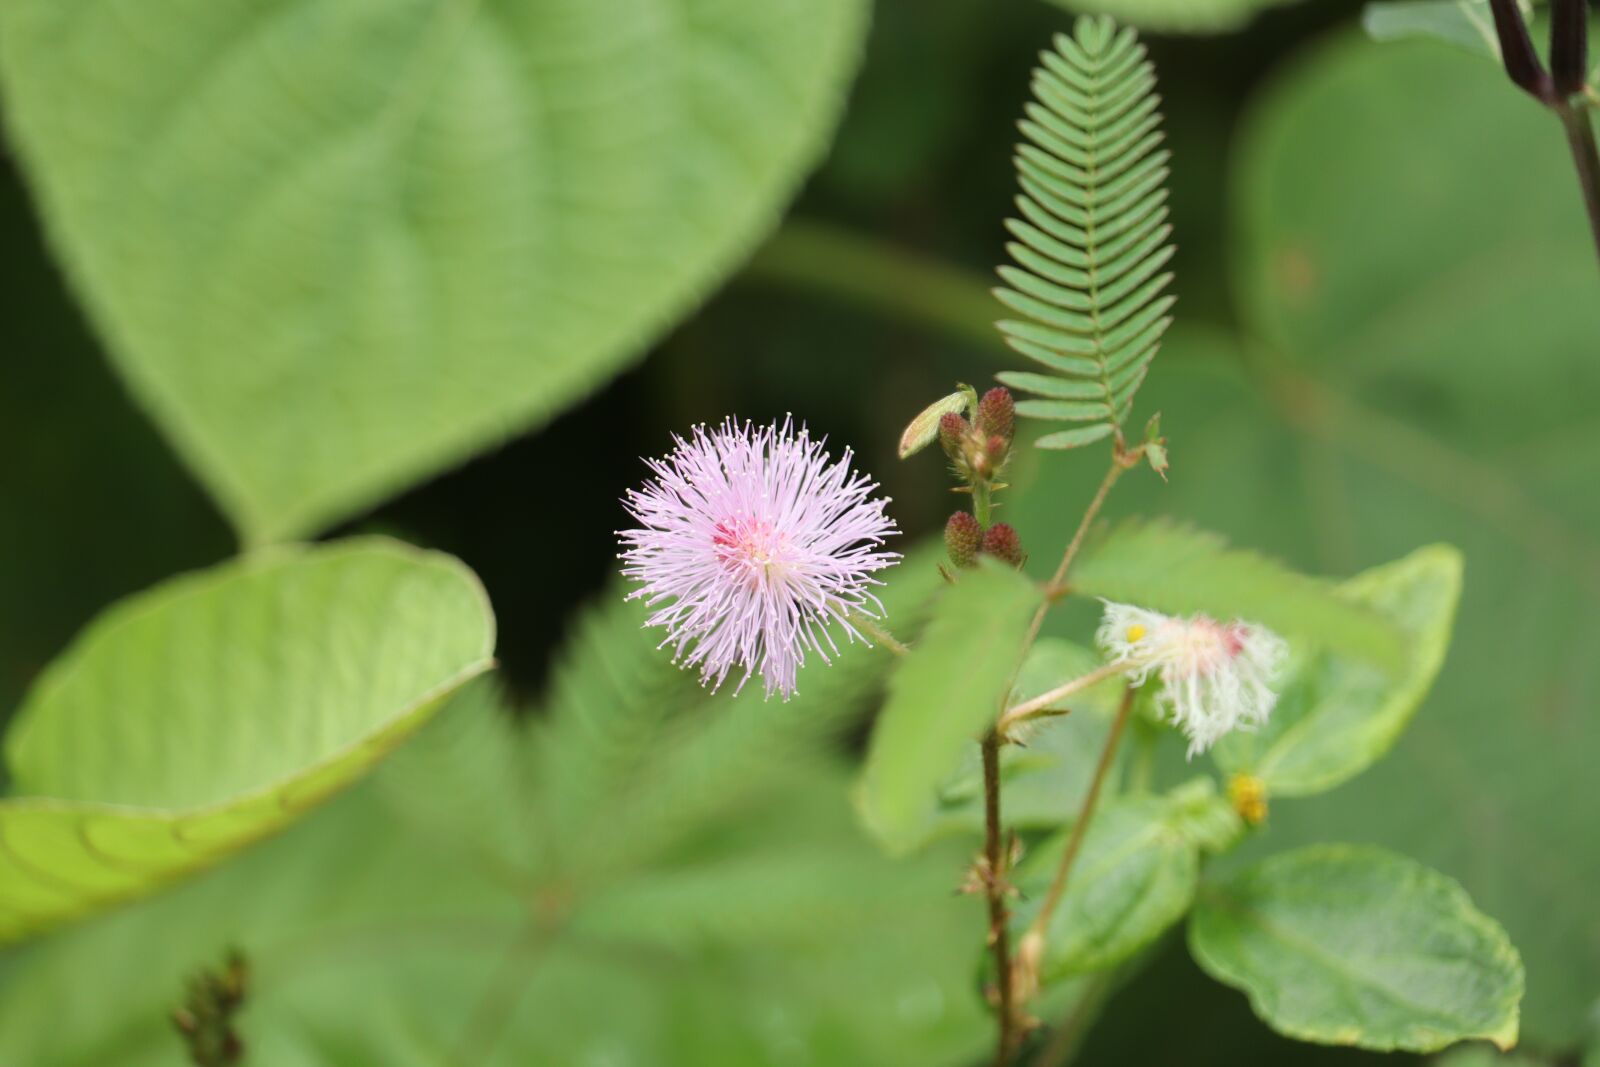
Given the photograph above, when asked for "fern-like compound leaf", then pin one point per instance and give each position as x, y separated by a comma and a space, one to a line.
1093, 239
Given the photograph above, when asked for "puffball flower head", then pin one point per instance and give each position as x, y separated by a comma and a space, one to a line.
1215, 677
751, 541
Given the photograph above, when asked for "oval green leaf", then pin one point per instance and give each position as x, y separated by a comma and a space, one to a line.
942, 696
1337, 715
204, 714
1133, 879
335, 246
1353, 945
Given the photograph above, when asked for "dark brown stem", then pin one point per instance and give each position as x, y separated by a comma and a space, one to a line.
994, 853
1521, 59
1569, 45
1080, 826
1580, 136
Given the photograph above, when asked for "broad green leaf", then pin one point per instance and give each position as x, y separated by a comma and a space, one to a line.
195, 718
1467, 23
337, 246
1180, 570
1336, 716
942, 696
1134, 878
1352, 945
750, 935
1176, 16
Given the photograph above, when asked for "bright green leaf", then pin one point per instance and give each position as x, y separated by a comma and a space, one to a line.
339, 245
1180, 570
1351, 945
211, 711
942, 696
1338, 716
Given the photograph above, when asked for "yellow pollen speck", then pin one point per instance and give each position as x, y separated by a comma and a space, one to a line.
1135, 632
1248, 795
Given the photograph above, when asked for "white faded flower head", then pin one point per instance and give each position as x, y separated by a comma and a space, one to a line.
752, 541
1215, 676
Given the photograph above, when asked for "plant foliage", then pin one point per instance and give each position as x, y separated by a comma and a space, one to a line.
196, 718
1092, 243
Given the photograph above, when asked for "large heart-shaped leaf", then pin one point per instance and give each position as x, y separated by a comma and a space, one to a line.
195, 718
337, 245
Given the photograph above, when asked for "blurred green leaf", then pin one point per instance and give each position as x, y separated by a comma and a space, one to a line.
1413, 242
337, 246
1350, 945
195, 718
1180, 570
1042, 779
1176, 16
1468, 23
942, 696
695, 894
1336, 717
1134, 878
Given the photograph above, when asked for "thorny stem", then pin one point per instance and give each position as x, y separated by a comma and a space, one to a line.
1030, 708
1080, 825
994, 853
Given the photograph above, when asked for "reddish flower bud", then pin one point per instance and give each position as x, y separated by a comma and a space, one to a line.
1002, 542
997, 414
952, 431
962, 536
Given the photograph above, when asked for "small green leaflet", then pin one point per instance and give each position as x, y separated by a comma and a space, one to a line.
1353, 945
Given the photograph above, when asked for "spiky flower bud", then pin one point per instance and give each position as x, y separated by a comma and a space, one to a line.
997, 414
962, 536
952, 434
1001, 541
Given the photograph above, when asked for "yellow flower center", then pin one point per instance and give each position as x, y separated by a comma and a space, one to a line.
1135, 633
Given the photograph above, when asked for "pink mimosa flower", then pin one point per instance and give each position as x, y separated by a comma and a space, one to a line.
752, 541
